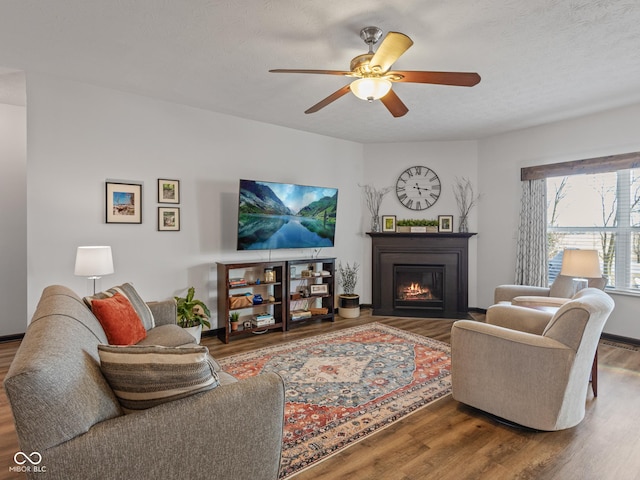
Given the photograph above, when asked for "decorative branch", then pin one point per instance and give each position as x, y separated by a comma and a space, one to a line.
348, 277
465, 197
373, 198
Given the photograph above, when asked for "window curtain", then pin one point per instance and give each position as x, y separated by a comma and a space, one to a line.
531, 253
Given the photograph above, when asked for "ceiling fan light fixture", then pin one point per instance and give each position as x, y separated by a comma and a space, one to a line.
370, 89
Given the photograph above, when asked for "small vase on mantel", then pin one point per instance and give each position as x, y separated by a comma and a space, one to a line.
375, 223
464, 226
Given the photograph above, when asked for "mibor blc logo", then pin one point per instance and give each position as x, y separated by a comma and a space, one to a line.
28, 463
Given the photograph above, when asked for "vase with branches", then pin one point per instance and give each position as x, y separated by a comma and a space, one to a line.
373, 198
349, 300
466, 199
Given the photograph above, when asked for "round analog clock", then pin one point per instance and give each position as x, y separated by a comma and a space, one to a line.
418, 188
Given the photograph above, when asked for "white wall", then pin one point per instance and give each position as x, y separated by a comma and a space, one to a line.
384, 162
500, 160
13, 233
81, 135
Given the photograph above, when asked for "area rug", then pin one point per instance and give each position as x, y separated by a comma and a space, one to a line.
345, 385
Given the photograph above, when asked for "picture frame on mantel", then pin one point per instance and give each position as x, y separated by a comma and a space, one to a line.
168, 191
389, 223
445, 223
168, 219
123, 202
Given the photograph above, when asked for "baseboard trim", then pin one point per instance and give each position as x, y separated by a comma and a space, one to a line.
621, 339
477, 310
11, 338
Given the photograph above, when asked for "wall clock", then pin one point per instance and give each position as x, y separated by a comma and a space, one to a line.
418, 188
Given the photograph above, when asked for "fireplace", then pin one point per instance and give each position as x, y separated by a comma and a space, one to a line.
420, 274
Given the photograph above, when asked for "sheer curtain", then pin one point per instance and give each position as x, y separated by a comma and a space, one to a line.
531, 253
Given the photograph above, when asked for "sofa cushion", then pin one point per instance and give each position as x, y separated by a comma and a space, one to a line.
127, 290
119, 320
168, 336
145, 376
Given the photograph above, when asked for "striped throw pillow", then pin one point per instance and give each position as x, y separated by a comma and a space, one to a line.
127, 290
145, 376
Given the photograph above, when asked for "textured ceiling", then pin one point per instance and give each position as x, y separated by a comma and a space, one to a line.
540, 60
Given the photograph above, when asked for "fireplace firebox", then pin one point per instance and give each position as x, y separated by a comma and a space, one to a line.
419, 287
420, 274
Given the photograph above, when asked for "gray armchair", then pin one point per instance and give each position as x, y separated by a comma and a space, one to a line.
527, 366
559, 293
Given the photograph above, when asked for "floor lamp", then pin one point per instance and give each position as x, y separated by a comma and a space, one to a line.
93, 263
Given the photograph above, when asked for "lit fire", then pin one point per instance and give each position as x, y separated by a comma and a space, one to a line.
415, 291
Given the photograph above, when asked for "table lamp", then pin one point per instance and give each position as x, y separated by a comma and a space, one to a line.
581, 264
93, 262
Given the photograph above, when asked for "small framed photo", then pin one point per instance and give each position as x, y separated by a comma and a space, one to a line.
388, 223
445, 223
319, 289
168, 191
124, 202
168, 219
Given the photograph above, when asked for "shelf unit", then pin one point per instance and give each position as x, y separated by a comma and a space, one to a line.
323, 285
254, 274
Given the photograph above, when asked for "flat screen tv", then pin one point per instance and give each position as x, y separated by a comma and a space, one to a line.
282, 215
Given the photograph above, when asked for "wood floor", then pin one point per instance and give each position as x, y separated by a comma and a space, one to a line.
448, 440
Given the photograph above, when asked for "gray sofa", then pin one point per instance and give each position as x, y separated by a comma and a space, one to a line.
65, 410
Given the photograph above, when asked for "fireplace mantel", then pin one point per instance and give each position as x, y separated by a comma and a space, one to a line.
447, 249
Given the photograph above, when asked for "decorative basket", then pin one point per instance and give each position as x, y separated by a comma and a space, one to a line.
240, 301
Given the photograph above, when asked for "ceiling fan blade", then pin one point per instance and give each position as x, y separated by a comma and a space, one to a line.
331, 98
321, 72
394, 104
391, 48
459, 79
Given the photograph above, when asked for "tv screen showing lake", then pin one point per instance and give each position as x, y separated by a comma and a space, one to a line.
276, 215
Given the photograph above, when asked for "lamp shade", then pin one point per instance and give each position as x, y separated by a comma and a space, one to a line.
581, 264
93, 261
370, 88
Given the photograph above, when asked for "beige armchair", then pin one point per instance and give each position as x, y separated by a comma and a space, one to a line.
527, 366
559, 293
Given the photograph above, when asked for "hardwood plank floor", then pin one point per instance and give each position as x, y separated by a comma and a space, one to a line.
448, 440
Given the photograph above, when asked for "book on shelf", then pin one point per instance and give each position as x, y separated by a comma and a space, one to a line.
299, 314
237, 282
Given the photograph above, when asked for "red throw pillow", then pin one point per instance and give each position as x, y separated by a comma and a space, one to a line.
119, 320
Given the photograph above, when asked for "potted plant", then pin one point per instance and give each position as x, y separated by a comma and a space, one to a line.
421, 225
234, 319
349, 300
192, 314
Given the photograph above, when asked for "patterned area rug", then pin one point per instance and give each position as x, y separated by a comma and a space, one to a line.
345, 385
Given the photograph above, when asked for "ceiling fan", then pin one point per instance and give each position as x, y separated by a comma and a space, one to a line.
374, 77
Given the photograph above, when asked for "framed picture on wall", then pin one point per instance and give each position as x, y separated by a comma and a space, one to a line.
124, 202
168, 191
168, 219
445, 223
388, 223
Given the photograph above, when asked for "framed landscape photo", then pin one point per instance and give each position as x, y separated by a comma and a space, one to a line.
168, 191
319, 289
389, 223
124, 202
445, 223
168, 219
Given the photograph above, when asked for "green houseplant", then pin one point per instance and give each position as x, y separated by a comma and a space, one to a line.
234, 319
407, 224
349, 300
192, 314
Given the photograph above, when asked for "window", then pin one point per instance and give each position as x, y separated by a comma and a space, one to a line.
598, 211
